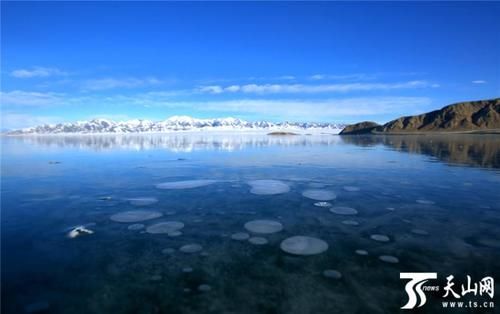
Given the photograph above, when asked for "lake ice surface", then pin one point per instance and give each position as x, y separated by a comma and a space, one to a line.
435, 198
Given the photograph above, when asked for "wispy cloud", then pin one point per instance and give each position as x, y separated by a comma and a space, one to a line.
286, 77
25, 98
12, 121
214, 89
311, 89
345, 77
333, 109
37, 72
20, 98
111, 83
479, 82
320, 109
298, 110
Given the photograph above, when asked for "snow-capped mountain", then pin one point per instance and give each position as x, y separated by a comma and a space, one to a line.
177, 123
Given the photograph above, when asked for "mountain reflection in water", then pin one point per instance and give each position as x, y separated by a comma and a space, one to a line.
472, 150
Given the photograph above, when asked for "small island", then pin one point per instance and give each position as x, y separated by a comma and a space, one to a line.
281, 133
481, 116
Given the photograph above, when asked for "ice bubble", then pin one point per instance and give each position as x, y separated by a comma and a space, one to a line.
489, 242
390, 208
319, 195
351, 188
191, 248
258, 240
165, 227
105, 198
135, 227
175, 233
187, 270
268, 187
333, 274
350, 222
78, 231
240, 236
142, 201
380, 237
168, 251
187, 184
303, 245
316, 185
419, 232
342, 210
389, 259
204, 288
425, 202
264, 226
361, 252
135, 216
323, 204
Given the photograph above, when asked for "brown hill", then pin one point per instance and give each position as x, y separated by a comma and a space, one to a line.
460, 117
360, 128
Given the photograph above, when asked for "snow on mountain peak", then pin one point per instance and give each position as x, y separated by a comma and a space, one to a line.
176, 123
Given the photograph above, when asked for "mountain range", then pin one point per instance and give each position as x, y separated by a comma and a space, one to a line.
471, 116
177, 123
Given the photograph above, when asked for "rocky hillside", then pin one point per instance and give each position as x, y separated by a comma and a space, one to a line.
460, 117
360, 128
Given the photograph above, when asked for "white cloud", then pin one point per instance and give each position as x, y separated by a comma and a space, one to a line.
333, 109
111, 83
345, 77
37, 72
287, 77
317, 77
311, 89
232, 88
299, 110
211, 89
12, 121
23, 98
479, 82
321, 109
114, 117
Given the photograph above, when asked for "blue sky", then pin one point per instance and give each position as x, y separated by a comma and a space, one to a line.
323, 61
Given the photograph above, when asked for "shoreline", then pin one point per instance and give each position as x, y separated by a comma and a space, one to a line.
475, 132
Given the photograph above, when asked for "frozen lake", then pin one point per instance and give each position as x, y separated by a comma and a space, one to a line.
217, 223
